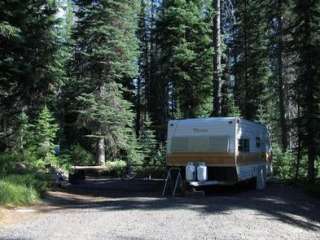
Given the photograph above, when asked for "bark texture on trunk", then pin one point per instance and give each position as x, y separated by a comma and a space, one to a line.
101, 153
217, 83
138, 107
309, 82
245, 45
281, 88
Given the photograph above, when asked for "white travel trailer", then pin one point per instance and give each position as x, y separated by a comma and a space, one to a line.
223, 150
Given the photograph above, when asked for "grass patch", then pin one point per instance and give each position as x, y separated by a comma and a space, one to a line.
17, 190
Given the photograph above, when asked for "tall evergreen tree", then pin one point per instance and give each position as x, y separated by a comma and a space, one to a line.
217, 67
45, 130
148, 142
279, 16
65, 55
105, 55
251, 67
144, 64
306, 40
28, 47
29, 70
280, 83
185, 63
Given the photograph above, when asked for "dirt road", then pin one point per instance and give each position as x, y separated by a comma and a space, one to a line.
115, 209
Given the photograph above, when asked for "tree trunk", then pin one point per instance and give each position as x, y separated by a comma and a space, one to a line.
216, 34
101, 153
138, 107
311, 163
246, 112
309, 82
299, 145
141, 63
152, 64
281, 89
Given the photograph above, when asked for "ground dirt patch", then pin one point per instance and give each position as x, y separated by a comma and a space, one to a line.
11, 216
121, 209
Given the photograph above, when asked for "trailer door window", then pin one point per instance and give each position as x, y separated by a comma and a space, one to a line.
244, 145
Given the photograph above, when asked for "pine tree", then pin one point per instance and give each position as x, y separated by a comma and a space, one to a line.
23, 134
29, 71
306, 41
28, 47
144, 34
109, 119
106, 48
45, 131
185, 62
280, 82
151, 76
64, 57
217, 66
251, 68
147, 140
279, 14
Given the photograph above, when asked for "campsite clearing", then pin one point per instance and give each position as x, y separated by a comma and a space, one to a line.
120, 209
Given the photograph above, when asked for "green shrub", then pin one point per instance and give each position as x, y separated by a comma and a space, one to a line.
36, 181
22, 189
65, 160
7, 163
29, 157
80, 156
116, 168
159, 158
283, 163
15, 194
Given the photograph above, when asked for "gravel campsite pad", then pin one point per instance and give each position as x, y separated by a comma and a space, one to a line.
118, 209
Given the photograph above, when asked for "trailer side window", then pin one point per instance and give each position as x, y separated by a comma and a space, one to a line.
244, 145
258, 142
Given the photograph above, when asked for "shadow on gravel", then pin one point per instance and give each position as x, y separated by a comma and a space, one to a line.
278, 202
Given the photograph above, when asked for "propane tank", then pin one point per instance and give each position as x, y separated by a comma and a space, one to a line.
202, 172
190, 172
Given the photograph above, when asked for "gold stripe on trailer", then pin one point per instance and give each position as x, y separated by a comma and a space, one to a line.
251, 158
210, 159
216, 159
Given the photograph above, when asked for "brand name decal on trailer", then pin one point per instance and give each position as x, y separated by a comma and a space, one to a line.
200, 130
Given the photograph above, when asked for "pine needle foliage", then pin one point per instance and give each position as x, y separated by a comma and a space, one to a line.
45, 131
106, 50
107, 116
